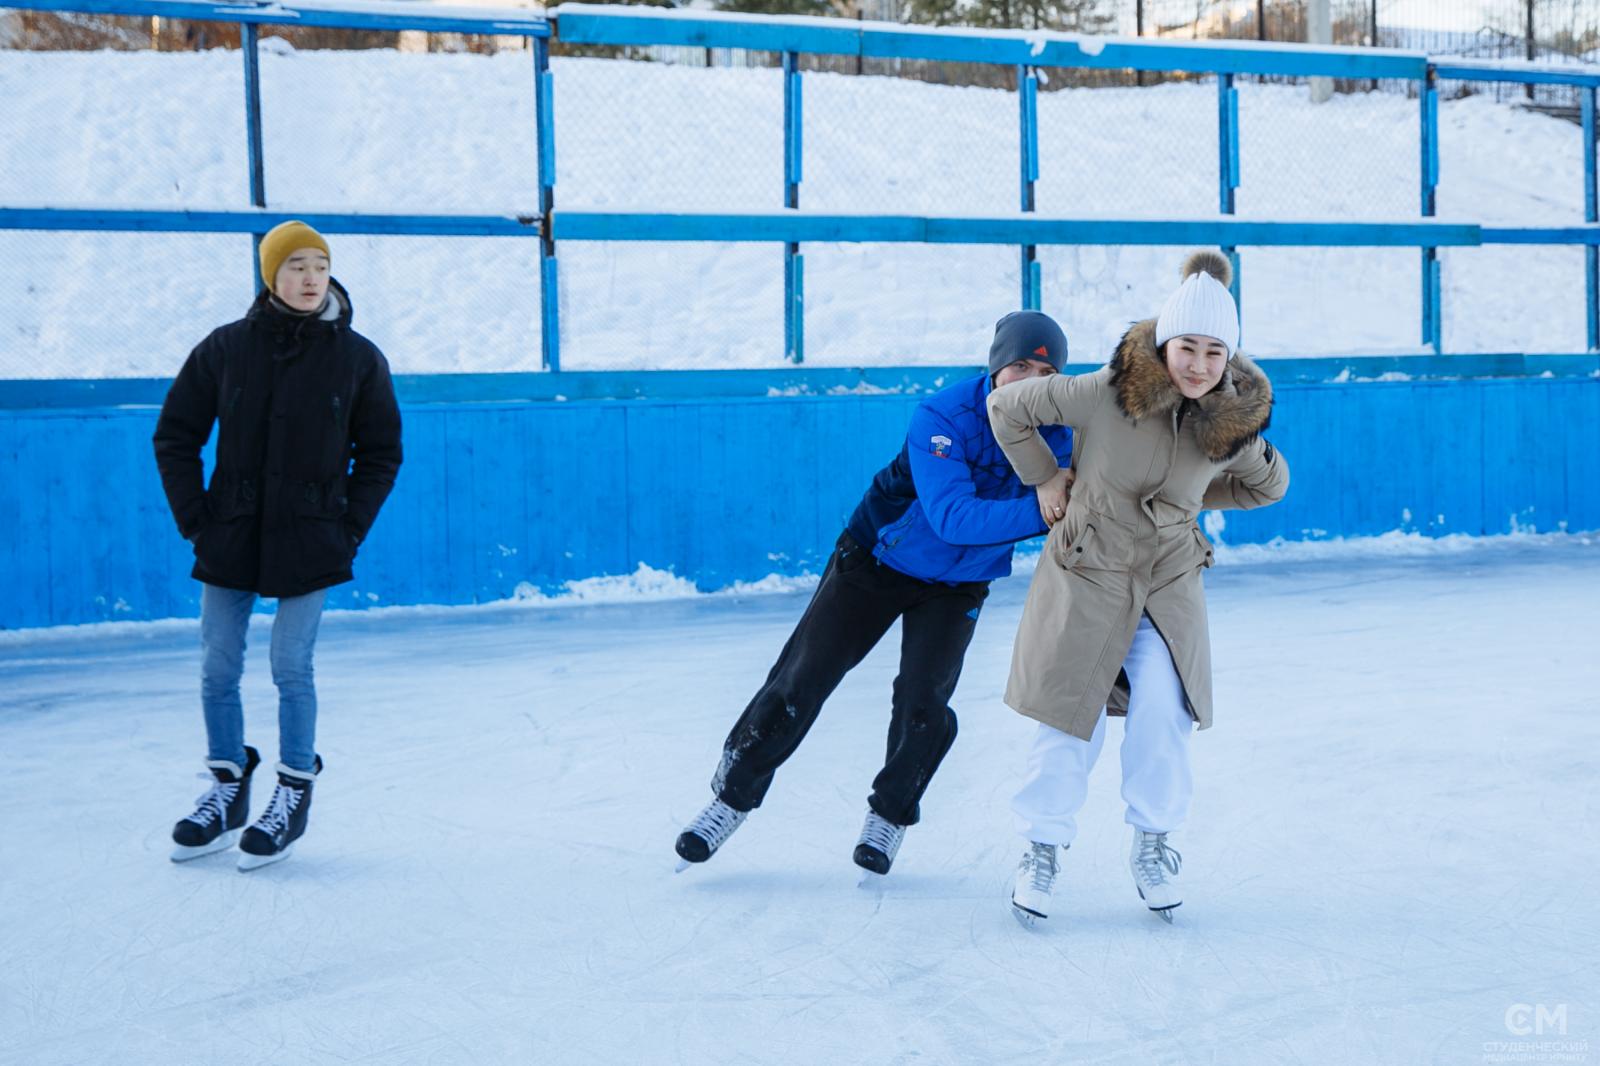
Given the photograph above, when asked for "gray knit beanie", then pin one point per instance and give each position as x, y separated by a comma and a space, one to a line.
1027, 335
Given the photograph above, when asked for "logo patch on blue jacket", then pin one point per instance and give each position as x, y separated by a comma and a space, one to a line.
973, 614
940, 446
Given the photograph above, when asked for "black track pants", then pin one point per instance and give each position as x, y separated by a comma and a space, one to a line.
854, 606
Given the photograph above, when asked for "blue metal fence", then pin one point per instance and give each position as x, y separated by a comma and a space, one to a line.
1027, 53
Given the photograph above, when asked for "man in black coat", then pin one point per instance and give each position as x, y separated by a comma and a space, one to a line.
308, 446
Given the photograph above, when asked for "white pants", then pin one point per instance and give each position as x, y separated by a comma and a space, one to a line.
1156, 780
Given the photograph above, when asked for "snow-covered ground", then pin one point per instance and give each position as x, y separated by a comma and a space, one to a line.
382, 131
1393, 844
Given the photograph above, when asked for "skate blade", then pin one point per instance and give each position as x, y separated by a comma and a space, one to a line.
248, 862
683, 864
181, 853
1164, 913
871, 879
1029, 919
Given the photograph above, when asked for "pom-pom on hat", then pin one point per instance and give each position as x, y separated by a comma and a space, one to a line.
1202, 305
282, 241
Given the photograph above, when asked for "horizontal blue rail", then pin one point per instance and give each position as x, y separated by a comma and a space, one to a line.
1541, 234
797, 226
1023, 229
352, 14
1527, 74
176, 220
612, 25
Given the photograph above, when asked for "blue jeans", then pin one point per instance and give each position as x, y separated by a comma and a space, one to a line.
224, 623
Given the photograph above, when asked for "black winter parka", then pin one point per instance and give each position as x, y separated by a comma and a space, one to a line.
308, 446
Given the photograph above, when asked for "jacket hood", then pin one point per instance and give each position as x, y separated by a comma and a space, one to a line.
266, 313
1224, 421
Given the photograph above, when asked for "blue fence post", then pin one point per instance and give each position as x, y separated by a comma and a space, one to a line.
1432, 317
1028, 115
1591, 213
1228, 167
794, 316
549, 288
249, 41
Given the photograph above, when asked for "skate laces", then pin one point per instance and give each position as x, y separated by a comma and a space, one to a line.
716, 823
1041, 864
1155, 856
880, 833
214, 804
284, 800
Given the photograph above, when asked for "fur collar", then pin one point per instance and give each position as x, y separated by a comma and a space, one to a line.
1223, 422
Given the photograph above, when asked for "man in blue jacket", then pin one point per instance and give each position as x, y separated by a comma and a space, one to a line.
934, 528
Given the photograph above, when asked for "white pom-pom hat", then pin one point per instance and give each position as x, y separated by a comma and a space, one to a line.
1202, 305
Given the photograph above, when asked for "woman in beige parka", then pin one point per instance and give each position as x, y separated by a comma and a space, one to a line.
1170, 427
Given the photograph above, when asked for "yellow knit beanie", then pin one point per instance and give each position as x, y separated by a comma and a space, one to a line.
283, 240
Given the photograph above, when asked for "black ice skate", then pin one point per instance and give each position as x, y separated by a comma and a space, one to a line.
878, 845
220, 813
280, 825
707, 832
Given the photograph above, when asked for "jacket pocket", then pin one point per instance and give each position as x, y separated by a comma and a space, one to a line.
229, 498
1075, 554
847, 554
227, 546
910, 546
326, 544
1203, 548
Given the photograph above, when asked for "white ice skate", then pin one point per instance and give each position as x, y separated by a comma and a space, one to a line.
1035, 880
1155, 869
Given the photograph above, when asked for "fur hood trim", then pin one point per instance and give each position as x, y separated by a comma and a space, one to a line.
1224, 421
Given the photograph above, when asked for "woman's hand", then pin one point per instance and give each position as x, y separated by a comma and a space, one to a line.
1053, 496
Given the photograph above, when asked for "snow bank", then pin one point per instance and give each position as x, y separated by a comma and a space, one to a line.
650, 585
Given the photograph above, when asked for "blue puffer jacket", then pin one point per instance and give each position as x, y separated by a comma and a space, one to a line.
950, 508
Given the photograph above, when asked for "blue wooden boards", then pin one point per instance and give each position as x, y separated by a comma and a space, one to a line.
497, 495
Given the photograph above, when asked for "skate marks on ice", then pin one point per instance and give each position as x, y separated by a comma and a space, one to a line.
1393, 826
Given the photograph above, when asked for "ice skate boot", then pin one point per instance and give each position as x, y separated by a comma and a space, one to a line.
1155, 869
221, 813
710, 829
878, 845
1034, 882
272, 838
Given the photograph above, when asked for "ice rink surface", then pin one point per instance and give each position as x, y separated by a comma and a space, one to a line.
1394, 844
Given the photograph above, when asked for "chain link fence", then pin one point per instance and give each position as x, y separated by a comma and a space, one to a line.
366, 121
148, 113
1487, 291
649, 305
909, 146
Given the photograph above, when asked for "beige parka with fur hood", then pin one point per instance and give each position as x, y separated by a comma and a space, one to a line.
1147, 462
